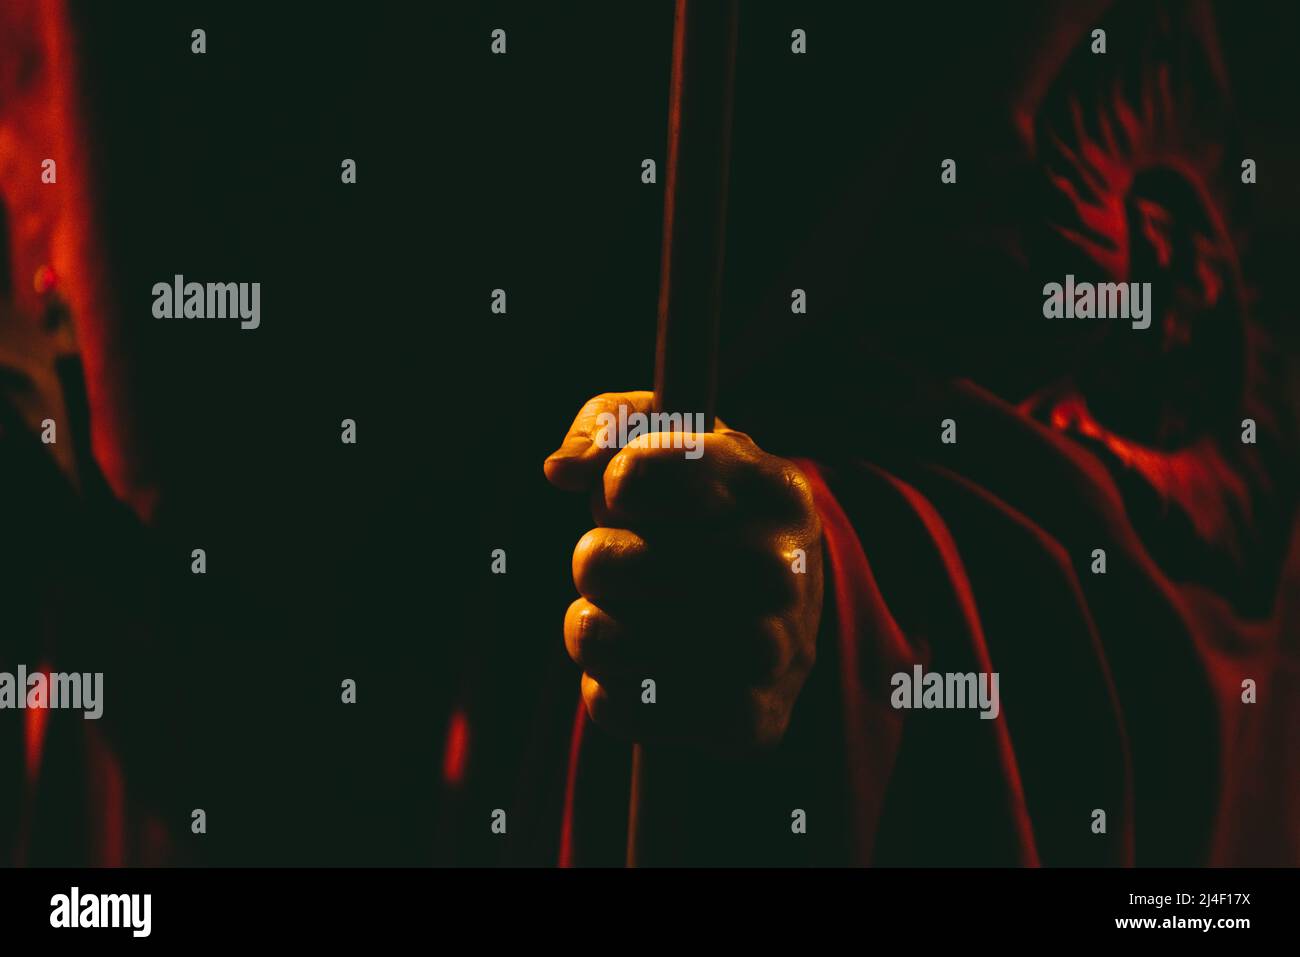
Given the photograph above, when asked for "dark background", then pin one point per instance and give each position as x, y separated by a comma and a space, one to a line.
475, 172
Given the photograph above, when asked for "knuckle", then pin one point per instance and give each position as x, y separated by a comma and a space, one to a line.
624, 475
600, 706
585, 555
738, 454
741, 444
595, 697
601, 402
580, 628
607, 559
797, 486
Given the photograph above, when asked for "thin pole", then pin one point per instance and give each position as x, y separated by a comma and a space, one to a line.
701, 93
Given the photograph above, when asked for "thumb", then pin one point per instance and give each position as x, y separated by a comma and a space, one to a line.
580, 460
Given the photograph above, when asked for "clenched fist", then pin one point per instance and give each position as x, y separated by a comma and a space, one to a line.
703, 576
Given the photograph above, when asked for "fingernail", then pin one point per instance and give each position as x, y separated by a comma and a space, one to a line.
571, 449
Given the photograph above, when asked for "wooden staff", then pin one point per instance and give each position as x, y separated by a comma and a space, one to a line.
690, 287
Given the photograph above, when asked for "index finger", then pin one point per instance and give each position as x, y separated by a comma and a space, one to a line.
581, 458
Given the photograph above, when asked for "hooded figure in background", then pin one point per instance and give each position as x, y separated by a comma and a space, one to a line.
1098, 512
969, 487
